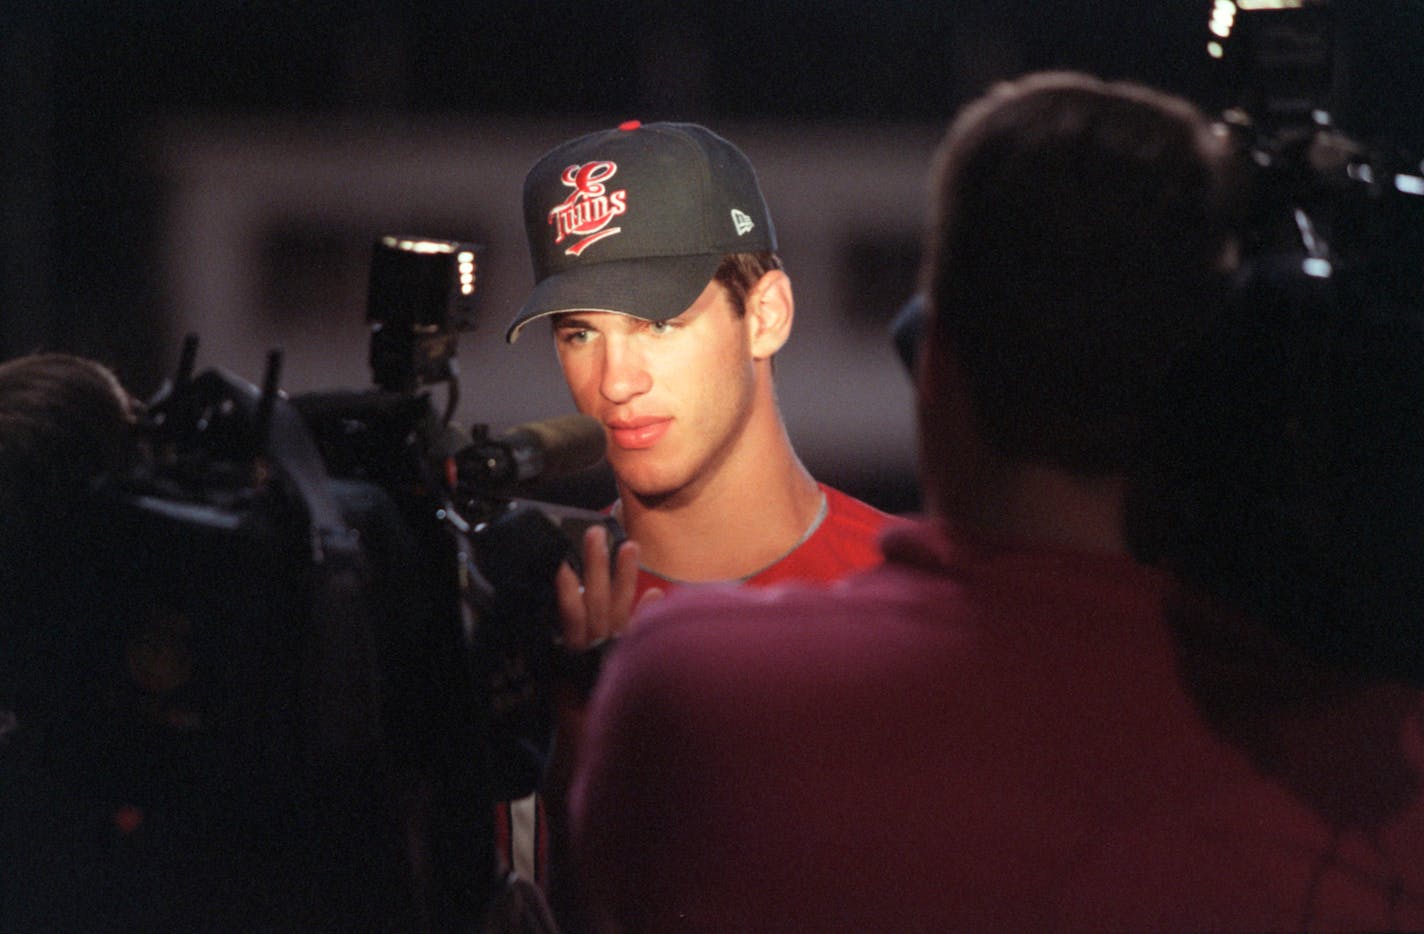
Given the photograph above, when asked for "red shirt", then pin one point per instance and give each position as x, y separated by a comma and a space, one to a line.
843, 540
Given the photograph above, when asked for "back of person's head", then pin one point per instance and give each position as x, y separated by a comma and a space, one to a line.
64, 422
1078, 240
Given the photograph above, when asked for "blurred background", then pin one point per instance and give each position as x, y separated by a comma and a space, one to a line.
223, 168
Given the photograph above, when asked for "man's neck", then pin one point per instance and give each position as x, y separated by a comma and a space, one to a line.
1034, 504
976, 488
753, 510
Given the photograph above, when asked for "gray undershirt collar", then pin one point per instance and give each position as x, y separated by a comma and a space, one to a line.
810, 530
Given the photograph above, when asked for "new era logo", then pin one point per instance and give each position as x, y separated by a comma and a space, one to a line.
741, 221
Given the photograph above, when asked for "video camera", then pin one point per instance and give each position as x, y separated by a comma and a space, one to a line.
1292, 473
336, 623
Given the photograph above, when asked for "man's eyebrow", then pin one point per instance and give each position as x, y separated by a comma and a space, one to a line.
568, 319
579, 319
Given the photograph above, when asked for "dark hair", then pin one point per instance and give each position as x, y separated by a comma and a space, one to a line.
740, 272
64, 421
1078, 240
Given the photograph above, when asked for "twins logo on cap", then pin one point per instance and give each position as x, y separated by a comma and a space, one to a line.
635, 220
589, 210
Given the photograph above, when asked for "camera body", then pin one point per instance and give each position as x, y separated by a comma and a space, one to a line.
1290, 472
326, 634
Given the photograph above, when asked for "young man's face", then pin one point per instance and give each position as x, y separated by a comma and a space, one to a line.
673, 396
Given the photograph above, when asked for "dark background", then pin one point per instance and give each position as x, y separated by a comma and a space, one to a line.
86, 86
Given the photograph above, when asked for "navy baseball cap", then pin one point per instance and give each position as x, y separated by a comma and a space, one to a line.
635, 220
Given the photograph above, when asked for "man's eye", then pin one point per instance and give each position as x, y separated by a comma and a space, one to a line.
574, 336
660, 327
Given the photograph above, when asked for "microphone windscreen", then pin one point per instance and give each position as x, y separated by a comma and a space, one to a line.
568, 443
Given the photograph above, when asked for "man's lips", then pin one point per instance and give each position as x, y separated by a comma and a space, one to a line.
635, 434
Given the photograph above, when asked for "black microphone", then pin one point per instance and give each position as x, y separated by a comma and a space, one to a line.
542, 450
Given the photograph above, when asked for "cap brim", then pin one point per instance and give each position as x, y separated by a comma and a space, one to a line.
654, 288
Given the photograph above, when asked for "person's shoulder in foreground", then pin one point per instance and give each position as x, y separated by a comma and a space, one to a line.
982, 736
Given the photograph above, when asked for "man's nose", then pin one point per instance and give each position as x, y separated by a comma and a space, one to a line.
625, 374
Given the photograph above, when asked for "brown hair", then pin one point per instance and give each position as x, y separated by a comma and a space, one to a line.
64, 421
1077, 242
740, 272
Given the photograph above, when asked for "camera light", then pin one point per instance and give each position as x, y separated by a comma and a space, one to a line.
1316, 268
1223, 17
1214, 49
421, 295
1409, 184
466, 261
418, 246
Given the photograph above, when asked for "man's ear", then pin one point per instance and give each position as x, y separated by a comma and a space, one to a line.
770, 310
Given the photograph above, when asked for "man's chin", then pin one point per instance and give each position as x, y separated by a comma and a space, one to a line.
652, 492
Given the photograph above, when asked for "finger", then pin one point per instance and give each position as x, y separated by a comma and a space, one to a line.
596, 582
625, 586
573, 614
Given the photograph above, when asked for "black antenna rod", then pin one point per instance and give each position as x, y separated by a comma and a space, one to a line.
271, 379
187, 359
